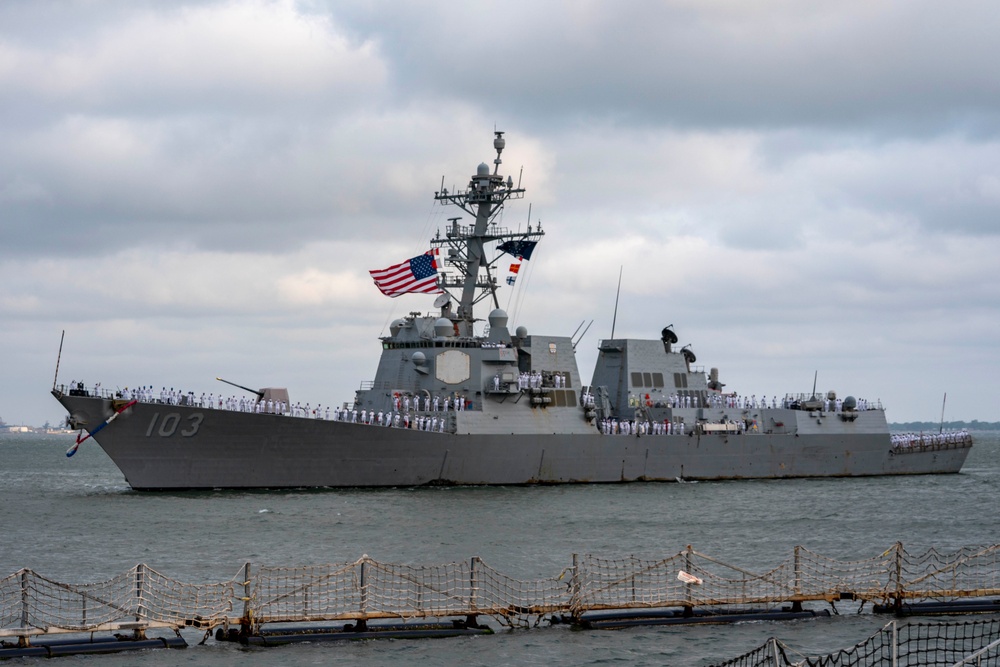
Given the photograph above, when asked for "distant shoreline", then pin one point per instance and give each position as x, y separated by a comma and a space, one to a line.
974, 425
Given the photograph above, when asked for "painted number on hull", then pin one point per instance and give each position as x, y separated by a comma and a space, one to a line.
168, 425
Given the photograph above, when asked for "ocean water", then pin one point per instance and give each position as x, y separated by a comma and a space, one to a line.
76, 520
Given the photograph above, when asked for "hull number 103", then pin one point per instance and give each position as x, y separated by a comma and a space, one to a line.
170, 423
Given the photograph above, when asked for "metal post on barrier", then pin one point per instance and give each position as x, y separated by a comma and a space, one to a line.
140, 608
362, 624
22, 640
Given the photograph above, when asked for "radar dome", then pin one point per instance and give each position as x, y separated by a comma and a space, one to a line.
850, 403
522, 332
443, 327
483, 169
418, 358
498, 318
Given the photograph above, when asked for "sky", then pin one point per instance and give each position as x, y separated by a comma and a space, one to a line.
193, 190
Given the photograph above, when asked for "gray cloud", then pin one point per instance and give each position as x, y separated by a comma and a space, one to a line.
897, 68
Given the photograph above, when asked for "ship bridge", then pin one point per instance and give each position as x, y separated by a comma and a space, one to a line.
493, 383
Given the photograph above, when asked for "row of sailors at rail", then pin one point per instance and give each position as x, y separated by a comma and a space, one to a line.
751, 402
220, 402
717, 400
430, 404
353, 416
921, 439
270, 406
714, 400
624, 427
534, 380
666, 427
166, 396
394, 419
746, 402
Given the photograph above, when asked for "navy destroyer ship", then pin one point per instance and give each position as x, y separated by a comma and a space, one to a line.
450, 405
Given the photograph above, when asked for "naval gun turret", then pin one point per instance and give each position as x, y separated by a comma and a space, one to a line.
265, 394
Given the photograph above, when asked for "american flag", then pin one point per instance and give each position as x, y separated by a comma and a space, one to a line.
418, 274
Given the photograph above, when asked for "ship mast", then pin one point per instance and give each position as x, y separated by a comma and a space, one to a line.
484, 199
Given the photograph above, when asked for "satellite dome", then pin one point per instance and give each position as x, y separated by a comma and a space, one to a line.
395, 327
850, 403
443, 327
522, 332
498, 318
483, 169
418, 358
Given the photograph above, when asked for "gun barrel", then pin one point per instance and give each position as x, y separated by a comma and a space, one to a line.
259, 394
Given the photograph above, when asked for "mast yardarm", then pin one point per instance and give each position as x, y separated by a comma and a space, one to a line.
483, 199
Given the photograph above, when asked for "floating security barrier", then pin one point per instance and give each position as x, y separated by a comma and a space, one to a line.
355, 632
685, 587
939, 608
631, 619
51, 648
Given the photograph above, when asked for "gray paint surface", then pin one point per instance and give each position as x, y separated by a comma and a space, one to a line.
510, 434
241, 450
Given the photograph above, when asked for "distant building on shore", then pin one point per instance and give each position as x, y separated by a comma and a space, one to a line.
10, 428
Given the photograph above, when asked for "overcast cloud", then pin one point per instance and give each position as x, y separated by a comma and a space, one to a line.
199, 189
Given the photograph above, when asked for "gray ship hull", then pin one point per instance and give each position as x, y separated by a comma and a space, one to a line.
494, 406
160, 446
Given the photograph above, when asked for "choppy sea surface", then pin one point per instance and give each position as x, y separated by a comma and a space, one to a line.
76, 520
